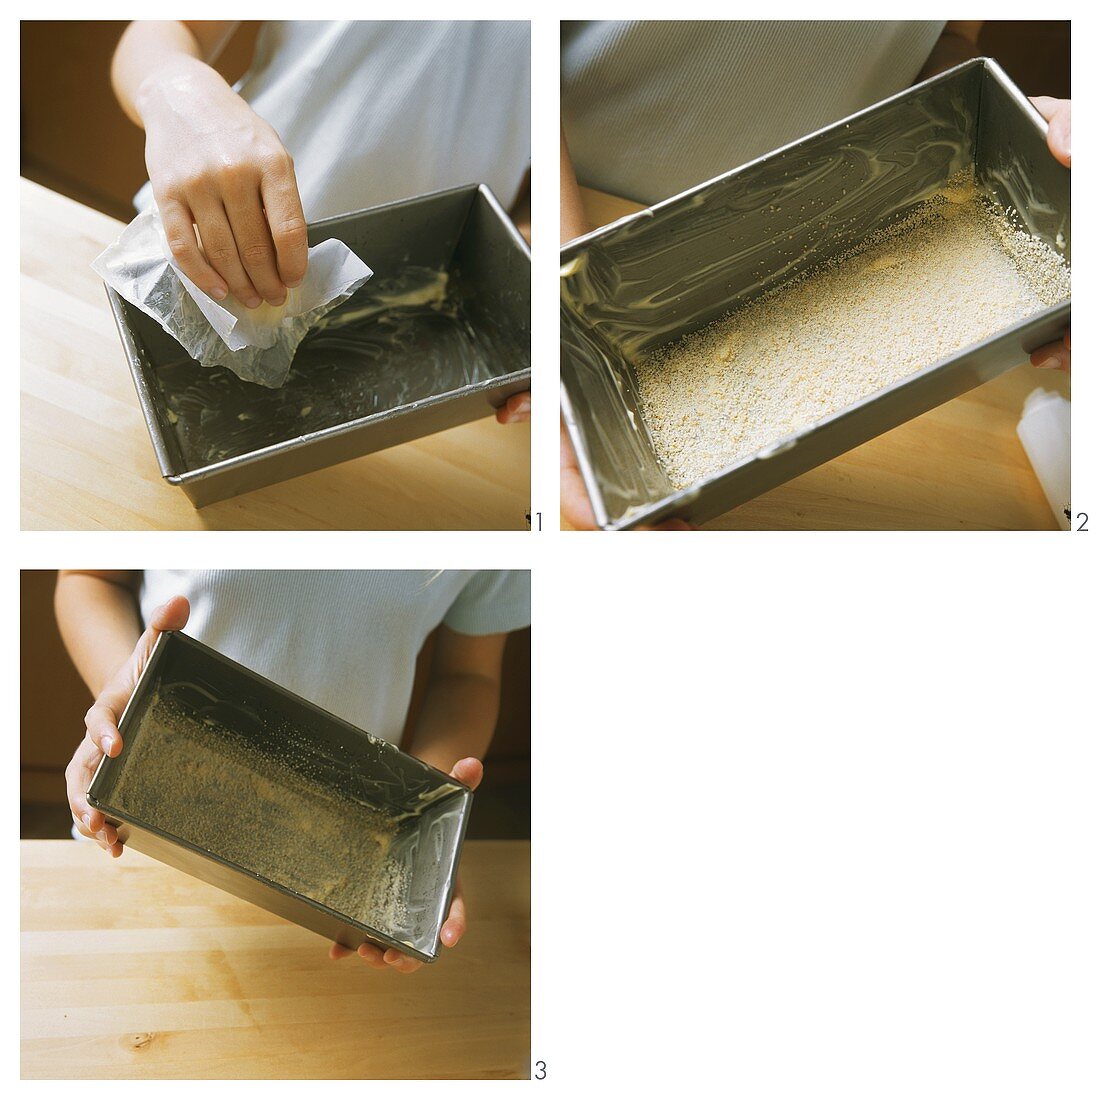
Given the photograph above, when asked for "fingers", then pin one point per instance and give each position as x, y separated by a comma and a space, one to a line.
454, 926
253, 237
469, 771
1054, 356
516, 410
401, 963
1057, 112
286, 220
78, 775
183, 243
219, 245
102, 727
88, 820
372, 956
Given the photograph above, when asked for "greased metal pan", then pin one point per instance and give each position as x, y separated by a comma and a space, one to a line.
270, 727
656, 275
393, 373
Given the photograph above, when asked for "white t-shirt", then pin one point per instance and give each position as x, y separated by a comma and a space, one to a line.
377, 111
651, 108
346, 640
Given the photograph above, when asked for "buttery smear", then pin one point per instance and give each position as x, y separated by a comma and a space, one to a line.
954, 271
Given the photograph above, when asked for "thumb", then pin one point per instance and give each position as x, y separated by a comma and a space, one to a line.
469, 771
172, 615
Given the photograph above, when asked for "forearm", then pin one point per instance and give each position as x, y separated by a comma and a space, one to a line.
154, 56
457, 719
99, 620
573, 219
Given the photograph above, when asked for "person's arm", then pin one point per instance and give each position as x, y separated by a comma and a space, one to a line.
460, 707
213, 163
100, 624
99, 621
573, 219
958, 42
455, 723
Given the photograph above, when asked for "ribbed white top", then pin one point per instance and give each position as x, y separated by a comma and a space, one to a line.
651, 108
346, 640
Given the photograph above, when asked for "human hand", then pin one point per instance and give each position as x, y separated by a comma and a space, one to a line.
516, 410
214, 163
469, 771
575, 505
1057, 113
101, 736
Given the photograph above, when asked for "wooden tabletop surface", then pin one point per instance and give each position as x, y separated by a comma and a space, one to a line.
959, 466
88, 463
131, 969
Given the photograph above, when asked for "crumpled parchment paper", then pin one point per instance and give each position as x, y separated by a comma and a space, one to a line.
256, 344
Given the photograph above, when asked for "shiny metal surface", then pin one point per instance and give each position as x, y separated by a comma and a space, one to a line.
383, 368
673, 268
432, 808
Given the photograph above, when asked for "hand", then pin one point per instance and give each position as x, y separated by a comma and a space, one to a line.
1057, 113
575, 505
469, 771
101, 736
214, 163
516, 410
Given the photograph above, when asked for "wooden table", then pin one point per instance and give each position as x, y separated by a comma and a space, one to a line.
959, 466
88, 463
131, 969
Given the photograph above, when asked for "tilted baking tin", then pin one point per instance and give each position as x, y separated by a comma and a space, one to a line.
434, 807
462, 231
654, 276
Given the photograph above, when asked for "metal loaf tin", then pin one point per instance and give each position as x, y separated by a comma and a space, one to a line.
266, 718
463, 231
661, 273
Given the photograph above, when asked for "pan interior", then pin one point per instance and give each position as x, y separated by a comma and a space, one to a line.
435, 318
407, 339
663, 275
351, 825
636, 291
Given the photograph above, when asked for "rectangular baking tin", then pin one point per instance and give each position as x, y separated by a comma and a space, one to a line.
654, 276
462, 228
344, 755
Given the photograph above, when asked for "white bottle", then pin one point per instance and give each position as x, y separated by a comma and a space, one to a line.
1045, 432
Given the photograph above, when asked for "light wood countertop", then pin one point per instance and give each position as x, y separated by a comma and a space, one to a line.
88, 463
131, 969
959, 466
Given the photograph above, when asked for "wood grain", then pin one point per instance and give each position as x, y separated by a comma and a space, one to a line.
88, 463
958, 467
131, 969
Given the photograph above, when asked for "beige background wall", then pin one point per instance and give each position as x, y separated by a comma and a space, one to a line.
74, 137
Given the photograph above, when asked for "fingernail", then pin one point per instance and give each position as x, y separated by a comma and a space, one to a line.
253, 303
523, 406
448, 936
291, 283
1051, 362
277, 301
108, 744
87, 819
219, 292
